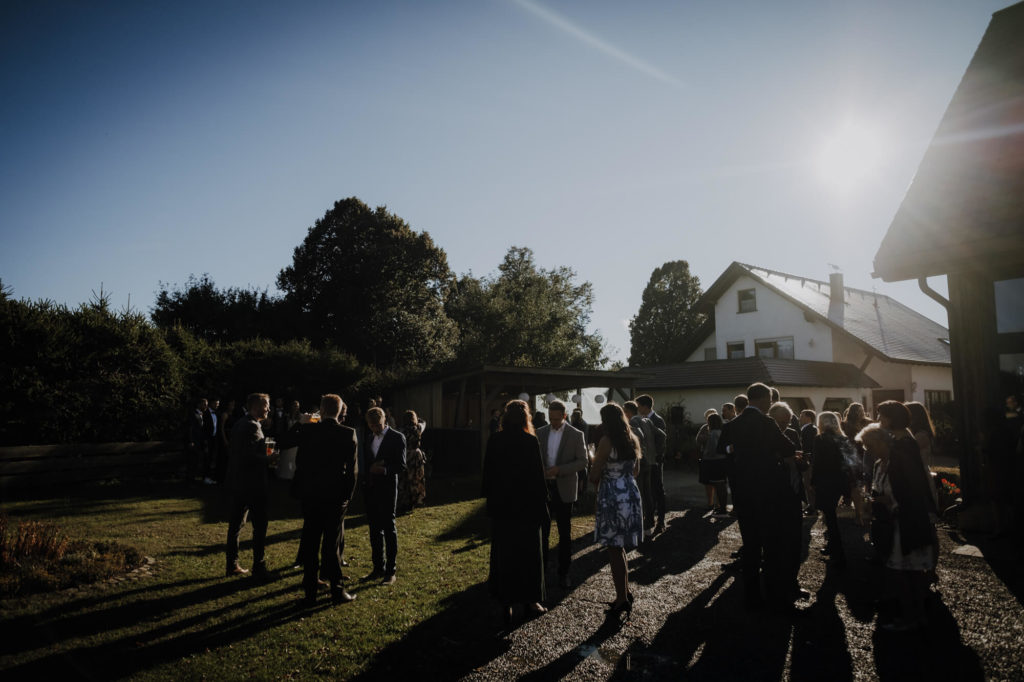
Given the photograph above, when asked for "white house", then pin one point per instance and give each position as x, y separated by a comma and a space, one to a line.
821, 344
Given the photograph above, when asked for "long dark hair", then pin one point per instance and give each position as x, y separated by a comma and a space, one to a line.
516, 416
613, 419
919, 419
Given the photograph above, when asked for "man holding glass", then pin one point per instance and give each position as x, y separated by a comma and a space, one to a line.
248, 486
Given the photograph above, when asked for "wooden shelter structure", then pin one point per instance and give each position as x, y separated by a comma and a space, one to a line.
463, 400
963, 217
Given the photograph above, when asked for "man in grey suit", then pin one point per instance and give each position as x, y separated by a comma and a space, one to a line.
564, 455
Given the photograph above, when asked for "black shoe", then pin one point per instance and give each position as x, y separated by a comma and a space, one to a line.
309, 600
625, 607
801, 594
373, 575
564, 582
341, 596
260, 572
737, 554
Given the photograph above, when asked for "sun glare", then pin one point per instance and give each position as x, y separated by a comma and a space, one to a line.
849, 157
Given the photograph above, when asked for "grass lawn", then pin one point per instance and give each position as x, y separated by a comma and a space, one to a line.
187, 621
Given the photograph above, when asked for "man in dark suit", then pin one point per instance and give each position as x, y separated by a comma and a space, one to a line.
248, 485
763, 498
564, 455
325, 477
645, 406
807, 433
383, 462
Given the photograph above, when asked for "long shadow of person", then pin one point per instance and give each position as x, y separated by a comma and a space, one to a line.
687, 539
712, 638
457, 640
172, 636
567, 662
935, 652
821, 650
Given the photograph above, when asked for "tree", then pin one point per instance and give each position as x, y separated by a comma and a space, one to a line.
666, 316
526, 316
222, 316
364, 281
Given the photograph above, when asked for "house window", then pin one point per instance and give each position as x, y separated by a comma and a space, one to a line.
710, 353
835, 405
748, 302
780, 349
933, 399
736, 350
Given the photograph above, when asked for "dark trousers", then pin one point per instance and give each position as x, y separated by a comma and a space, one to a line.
658, 490
323, 528
827, 501
561, 513
251, 505
646, 494
381, 499
786, 549
755, 527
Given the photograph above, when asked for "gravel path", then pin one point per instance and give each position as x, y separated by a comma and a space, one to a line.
689, 622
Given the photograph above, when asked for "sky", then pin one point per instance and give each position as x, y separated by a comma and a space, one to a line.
141, 142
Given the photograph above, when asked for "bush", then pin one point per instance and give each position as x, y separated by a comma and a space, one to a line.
84, 375
39, 557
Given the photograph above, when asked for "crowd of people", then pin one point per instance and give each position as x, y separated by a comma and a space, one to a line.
778, 467
532, 477
329, 452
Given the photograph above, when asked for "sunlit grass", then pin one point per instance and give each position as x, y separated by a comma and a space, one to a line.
188, 621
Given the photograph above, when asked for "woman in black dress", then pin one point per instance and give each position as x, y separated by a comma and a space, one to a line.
832, 476
517, 504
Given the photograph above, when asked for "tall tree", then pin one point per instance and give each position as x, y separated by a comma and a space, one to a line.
666, 316
526, 316
364, 281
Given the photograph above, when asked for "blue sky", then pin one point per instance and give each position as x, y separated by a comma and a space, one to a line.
145, 141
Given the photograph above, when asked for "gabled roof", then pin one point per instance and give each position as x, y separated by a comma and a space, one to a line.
741, 373
878, 323
964, 209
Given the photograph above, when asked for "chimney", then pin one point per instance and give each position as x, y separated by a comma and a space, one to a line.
836, 296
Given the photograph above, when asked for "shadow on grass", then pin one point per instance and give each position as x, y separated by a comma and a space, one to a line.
454, 642
167, 640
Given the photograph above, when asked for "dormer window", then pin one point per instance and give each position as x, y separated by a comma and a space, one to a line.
747, 301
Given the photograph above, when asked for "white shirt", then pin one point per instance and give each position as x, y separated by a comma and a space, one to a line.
554, 440
377, 439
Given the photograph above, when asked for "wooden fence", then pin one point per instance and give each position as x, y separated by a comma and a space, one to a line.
42, 465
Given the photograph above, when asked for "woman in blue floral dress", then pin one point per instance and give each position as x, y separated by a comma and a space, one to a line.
619, 521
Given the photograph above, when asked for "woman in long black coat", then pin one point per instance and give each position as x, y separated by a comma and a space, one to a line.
834, 457
517, 504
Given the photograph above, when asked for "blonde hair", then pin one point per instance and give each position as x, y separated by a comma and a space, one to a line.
828, 422
331, 405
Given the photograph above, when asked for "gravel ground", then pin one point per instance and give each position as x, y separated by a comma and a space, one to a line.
689, 622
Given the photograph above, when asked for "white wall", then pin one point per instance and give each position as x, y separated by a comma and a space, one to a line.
709, 342
929, 378
775, 316
700, 399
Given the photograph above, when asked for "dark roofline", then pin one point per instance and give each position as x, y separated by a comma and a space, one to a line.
706, 304
755, 369
983, 234
588, 377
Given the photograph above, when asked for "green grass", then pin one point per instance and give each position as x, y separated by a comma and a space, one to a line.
187, 621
